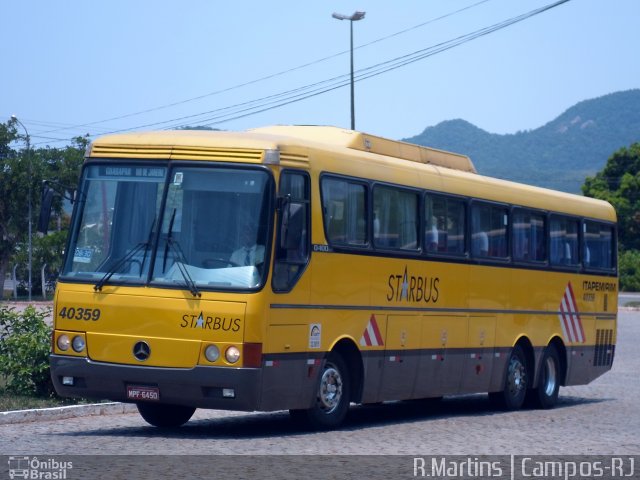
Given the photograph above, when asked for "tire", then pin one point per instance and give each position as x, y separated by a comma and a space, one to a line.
165, 416
516, 382
331, 402
546, 394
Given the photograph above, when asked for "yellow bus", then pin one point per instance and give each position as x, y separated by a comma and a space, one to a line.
307, 268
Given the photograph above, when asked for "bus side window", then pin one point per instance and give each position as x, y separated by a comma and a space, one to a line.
598, 245
528, 232
444, 225
292, 252
395, 218
564, 241
345, 212
489, 231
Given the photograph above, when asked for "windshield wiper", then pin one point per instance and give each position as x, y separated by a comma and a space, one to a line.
181, 260
98, 286
181, 263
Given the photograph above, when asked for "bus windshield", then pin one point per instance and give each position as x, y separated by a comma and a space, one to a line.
211, 234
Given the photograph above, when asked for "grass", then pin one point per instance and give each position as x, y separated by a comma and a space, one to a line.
9, 401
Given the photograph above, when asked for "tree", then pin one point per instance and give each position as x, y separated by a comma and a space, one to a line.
619, 184
59, 165
629, 270
14, 181
62, 166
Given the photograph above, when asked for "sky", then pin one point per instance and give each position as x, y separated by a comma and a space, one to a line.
78, 67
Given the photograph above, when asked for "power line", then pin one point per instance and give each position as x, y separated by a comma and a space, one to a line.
259, 105
295, 95
268, 77
393, 64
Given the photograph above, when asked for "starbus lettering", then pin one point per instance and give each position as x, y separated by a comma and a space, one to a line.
410, 288
226, 324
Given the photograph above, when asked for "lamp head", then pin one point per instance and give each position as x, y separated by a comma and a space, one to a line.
355, 17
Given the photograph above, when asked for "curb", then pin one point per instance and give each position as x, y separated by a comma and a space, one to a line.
67, 411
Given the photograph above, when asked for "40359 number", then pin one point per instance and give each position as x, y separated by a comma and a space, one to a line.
80, 313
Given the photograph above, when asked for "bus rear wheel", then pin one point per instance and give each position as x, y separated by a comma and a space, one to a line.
516, 382
165, 416
546, 394
331, 402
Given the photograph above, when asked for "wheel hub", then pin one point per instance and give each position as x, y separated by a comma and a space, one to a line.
517, 377
330, 389
551, 377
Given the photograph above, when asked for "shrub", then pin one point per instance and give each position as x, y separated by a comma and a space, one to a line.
24, 351
629, 271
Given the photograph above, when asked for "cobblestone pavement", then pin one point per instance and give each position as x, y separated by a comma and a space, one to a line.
600, 418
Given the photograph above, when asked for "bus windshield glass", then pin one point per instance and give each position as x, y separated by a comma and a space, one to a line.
213, 227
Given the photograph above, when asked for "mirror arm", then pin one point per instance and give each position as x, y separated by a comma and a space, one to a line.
282, 202
61, 189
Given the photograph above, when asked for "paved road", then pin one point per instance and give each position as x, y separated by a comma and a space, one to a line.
626, 297
600, 418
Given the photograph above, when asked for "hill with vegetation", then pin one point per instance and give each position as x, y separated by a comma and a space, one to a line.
558, 155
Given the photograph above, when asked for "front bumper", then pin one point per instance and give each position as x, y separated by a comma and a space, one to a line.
200, 386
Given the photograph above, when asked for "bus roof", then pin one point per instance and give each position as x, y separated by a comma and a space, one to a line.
367, 153
365, 142
202, 143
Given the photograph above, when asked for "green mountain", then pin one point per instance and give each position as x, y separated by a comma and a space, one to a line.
558, 155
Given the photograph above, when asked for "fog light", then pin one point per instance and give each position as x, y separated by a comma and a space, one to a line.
78, 343
228, 393
212, 353
68, 381
232, 354
63, 342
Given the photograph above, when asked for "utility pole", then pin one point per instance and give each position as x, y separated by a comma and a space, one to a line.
352, 18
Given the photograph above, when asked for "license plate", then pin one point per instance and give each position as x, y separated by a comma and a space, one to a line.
151, 394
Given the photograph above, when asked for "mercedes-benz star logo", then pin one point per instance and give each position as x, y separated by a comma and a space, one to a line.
141, 351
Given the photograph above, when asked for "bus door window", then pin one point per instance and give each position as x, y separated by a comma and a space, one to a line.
292, 254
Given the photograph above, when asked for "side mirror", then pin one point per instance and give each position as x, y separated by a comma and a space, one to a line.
292, 225
45, 209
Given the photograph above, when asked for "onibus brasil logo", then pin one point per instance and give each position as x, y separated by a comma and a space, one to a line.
35, 468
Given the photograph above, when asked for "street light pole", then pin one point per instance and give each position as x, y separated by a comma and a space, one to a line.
352, 18
30, 249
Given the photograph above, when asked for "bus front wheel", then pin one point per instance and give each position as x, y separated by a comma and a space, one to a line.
165, 416
331, 401
516, 382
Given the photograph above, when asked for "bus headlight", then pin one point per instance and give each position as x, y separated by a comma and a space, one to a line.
212, 353
78, 344
63, 342
232, 354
